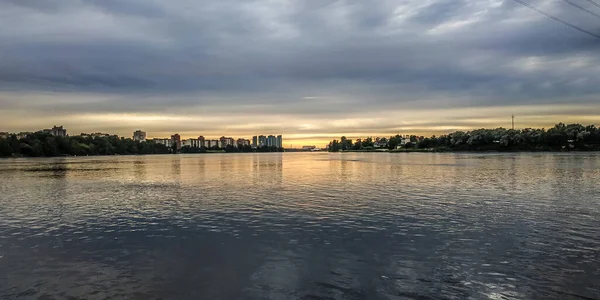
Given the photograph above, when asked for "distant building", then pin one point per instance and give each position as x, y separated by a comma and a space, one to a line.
4, 135
23, 135
100, 134
262, 141
96, 134
308, 148
192, 143
271, 141
166, 142
176, 141
202, 141
212, 143
380, 143
226, 141
242, 142
267, 141
139, 136
58, 131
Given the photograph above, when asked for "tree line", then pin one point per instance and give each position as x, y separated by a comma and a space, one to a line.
42, 144
561, 137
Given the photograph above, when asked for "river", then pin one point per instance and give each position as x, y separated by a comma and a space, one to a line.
301, 226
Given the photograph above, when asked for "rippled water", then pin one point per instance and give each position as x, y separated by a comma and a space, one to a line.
301, 226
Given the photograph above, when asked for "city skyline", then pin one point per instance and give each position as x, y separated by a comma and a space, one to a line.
309, 70
198, 141
323, 139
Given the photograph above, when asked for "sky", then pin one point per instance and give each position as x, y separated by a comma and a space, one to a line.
312, 70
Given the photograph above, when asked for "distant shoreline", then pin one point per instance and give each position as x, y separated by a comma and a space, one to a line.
162, 154
461, 151
346, 151
560, 138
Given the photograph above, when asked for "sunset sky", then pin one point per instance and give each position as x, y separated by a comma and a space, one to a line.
310, 70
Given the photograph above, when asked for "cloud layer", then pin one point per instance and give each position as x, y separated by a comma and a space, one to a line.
307, 69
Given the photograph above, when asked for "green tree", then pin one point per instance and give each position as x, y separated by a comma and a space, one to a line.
334, 146
345, 144
5, 148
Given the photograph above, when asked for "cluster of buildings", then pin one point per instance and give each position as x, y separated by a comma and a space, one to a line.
310, 148
222, 142
96, 134
55, 131
267, 141
404, 139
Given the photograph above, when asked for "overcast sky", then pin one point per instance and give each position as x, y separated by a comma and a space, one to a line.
310, 70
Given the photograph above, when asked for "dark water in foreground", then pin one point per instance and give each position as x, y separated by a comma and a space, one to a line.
301, 226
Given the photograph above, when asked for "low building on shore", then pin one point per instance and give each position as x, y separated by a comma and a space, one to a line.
163, 141
96, 134
23, 134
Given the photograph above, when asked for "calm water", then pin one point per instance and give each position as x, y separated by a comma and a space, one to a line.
301, 226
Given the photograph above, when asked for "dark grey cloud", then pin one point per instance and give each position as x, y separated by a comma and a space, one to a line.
272, 57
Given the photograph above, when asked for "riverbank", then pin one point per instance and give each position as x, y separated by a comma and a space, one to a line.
412, 150
448, 150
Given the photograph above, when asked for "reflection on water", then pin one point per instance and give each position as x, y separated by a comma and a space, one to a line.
301, 226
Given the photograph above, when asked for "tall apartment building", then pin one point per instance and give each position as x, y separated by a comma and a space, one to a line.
56, 131
211, 143
254, 141
202, 141
59, 131
139, 136
176, 141
271, 141
262, 141
279, 141
192, 143
226, 141
242, 142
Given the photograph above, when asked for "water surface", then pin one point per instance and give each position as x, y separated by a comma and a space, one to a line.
301, 226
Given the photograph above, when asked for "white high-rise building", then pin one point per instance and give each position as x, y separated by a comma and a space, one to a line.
271, 141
